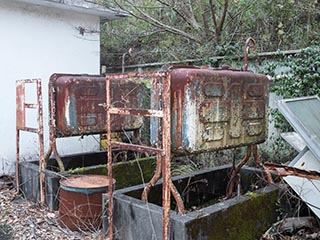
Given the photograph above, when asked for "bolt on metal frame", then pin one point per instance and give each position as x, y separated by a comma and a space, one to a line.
163, 154
21, 107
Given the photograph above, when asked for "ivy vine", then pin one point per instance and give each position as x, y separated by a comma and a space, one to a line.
294, 76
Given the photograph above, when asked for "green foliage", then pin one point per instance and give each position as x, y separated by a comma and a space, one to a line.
295, 76
292, 76
275, 24
300, 76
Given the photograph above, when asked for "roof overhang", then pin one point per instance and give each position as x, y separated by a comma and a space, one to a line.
89, 7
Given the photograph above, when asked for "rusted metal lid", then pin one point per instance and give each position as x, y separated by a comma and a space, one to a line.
86, 183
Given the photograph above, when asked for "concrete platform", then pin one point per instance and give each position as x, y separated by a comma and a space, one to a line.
209, 217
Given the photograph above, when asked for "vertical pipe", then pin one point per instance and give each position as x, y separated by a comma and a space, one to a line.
110, 188
17, 159
153, 181
123, 61
52, 128
42, 165
166, 165
246, 51
20, 124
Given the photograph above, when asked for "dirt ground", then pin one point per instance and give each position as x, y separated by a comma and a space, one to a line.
21, 219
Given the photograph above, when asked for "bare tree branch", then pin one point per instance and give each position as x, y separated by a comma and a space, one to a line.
147, 18
223, 17
205, 18
184, 9
174, 9
218, 24
213, 13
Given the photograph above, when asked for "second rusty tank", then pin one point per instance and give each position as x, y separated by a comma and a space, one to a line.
215, 109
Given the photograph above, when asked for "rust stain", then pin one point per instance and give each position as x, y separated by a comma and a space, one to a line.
160, 110
246, 51
80, 197
215, 109
77, 101
284, 170
21, 106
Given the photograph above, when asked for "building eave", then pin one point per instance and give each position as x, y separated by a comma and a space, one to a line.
81, 6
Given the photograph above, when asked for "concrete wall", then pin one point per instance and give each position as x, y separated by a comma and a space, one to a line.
36, 42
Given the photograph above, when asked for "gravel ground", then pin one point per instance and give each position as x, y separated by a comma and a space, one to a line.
21, 219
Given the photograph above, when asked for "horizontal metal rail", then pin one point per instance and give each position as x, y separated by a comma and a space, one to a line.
31, 105
136, 112
28, 129
284, 171
137, 148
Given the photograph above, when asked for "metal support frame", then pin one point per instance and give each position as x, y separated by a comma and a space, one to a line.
163, 154
21, 107
52, 129
251, 149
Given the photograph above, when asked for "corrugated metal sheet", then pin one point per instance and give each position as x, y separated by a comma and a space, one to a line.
307, 189
304, 116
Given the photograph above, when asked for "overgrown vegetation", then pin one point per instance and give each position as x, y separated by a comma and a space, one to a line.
167, 30
175, 30
292, 76
295, 76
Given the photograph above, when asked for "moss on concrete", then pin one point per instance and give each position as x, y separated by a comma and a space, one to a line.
243, 221
126, 173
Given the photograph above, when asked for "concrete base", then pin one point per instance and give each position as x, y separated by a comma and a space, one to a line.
126, 173
243, 217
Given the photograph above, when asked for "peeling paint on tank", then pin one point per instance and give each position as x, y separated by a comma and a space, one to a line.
67, 112
215, 109
73, 112
77, 104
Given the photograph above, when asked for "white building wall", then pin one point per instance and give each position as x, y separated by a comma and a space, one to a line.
36, 42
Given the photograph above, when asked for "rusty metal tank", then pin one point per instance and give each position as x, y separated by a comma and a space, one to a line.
76, 104
215, 109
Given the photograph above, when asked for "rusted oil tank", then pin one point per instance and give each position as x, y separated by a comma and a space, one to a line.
215, 109
80, 197
77, 104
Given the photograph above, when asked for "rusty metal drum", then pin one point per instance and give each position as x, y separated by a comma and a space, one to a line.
214, 109
80, 201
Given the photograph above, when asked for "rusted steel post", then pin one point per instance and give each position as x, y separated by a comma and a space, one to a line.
153, 181
256, 158
268, 174
173, 189
166, 165
177, 197
17, 160
20, 124
110, 188
246, 51
236, 170
42, 165
284, 171
21, 107
52, 129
